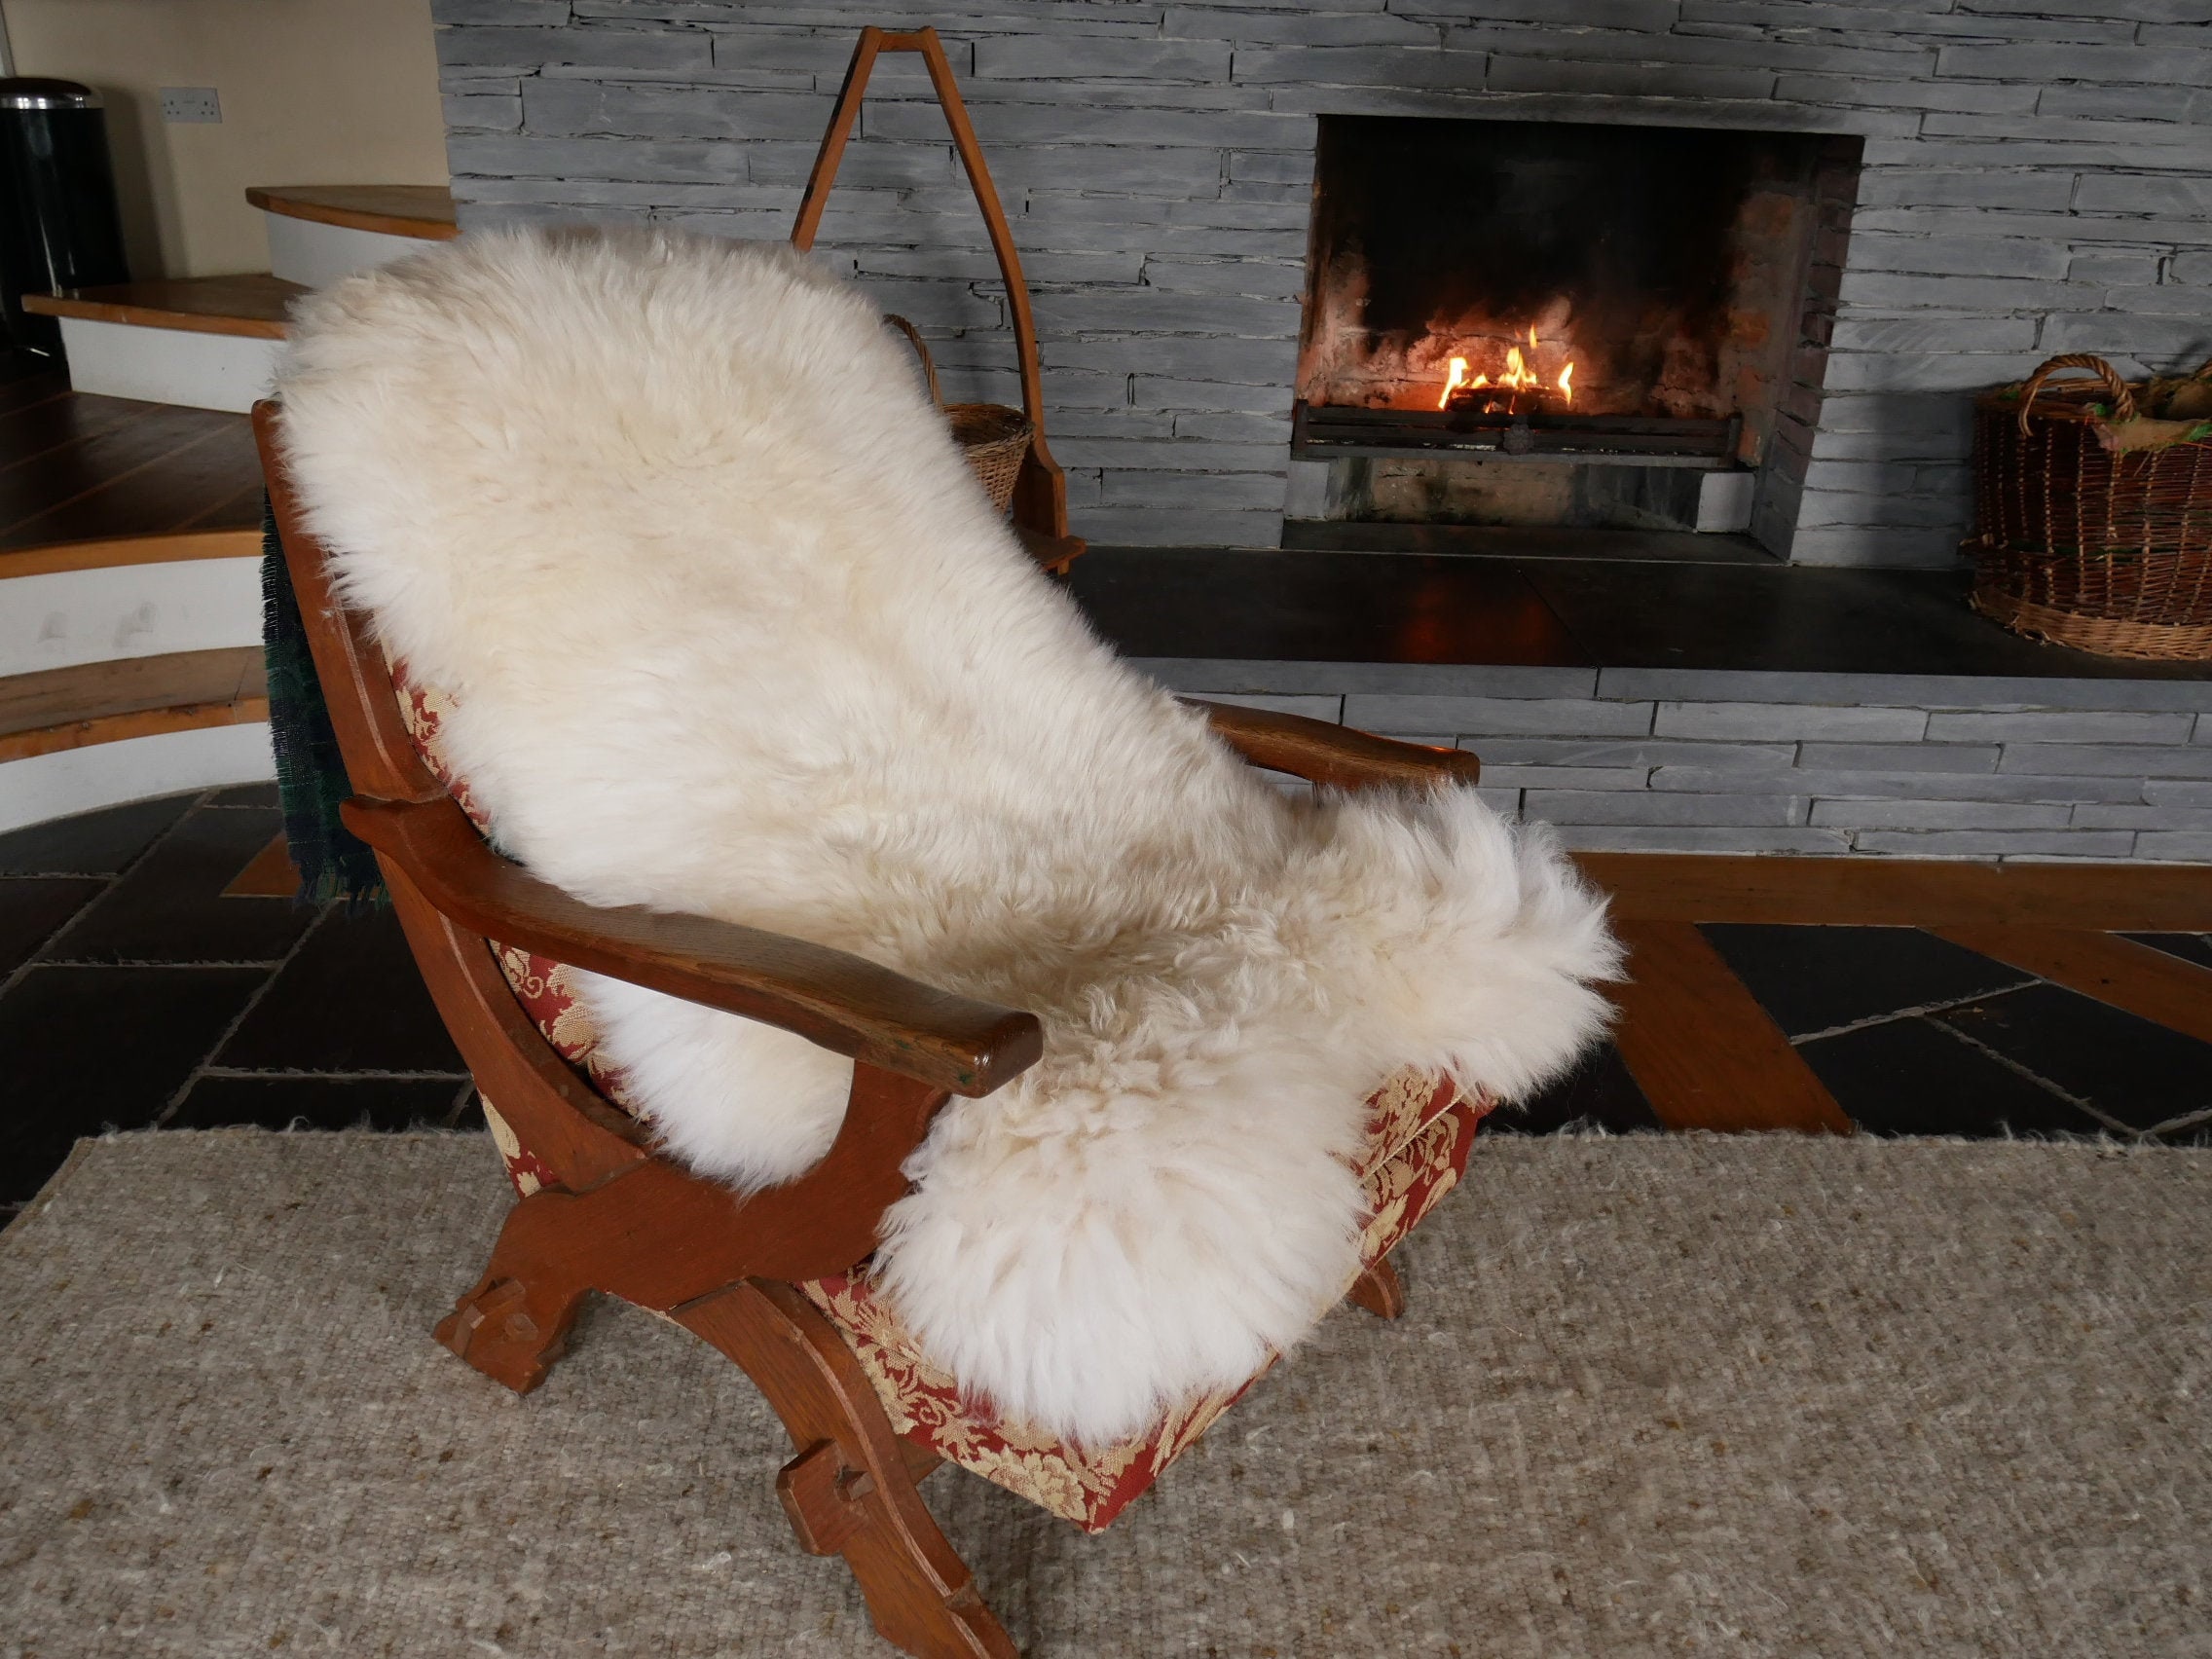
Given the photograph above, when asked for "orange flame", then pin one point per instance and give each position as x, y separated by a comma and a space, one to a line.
1517, 376
1458, 378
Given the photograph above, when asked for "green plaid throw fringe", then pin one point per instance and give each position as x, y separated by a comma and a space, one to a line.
311, 775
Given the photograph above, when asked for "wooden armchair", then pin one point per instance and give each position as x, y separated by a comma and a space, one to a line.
599, 1210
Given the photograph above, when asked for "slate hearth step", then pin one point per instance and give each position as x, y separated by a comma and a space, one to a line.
1302, 620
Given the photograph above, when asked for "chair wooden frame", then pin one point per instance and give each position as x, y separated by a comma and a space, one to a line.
614, 1217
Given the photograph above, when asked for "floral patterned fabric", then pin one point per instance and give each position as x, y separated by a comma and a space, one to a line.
1420, 1130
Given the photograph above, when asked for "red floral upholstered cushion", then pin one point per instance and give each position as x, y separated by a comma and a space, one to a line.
1420, 1130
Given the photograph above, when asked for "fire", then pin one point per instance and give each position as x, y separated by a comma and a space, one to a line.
1517, 376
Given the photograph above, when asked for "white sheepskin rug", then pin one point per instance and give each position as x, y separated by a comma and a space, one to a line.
731, 630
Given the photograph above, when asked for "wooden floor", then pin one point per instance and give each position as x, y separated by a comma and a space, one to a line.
80, 469
1707, 1055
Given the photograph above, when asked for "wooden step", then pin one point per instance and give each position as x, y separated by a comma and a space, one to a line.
253, 306
103, 702
89, 481
423, 211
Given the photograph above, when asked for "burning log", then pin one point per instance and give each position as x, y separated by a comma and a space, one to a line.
1516, 382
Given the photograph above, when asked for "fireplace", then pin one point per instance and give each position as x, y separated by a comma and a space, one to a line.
1604, 326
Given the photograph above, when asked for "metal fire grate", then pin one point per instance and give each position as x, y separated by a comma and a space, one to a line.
1619, 440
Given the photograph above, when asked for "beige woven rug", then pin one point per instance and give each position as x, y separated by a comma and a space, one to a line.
1653, 1396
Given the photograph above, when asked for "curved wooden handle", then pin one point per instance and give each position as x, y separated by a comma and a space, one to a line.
2122, 400
1041, 491
842, 120
922, 350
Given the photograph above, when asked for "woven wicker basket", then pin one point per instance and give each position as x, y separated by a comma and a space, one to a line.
994, 437
2081, 545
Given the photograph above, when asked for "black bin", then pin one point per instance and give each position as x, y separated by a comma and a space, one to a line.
59, 224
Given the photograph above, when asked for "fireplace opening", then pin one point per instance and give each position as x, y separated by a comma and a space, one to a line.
1524, 324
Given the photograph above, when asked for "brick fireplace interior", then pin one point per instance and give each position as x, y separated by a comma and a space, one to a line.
1616, 327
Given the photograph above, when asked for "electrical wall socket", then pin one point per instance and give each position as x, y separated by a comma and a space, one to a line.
191, 103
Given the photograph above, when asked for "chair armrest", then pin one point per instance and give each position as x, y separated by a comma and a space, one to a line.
1339, 756
843, 1001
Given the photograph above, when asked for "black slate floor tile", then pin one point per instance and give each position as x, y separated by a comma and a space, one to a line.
1523, 542
1910, 1076
170, 906
2140, 1073
349, 999
85, 1048
91, 843
2189, 947
318, 1103
245, 794
1801, 619
1598, 1091
1816, 979
34, 908
1292, 606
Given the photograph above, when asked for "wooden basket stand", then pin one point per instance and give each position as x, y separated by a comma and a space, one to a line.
1004, 446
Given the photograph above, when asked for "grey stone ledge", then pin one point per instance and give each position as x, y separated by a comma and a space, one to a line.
1897, 786
1374, 678
1699, 838
1481, 717
2100, 815
1770, 762
2117, 759
1789, 721
2189, 846
1942, 815
1998, 843
2061, 727
1583, 807
1314, 706
1898, 756
1901, 690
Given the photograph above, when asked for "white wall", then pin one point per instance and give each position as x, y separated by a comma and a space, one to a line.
313, 92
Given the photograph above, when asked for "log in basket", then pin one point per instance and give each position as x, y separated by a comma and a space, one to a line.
2094, 503
1003, 446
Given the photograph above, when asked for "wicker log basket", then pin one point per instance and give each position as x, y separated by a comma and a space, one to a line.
994, 437
2094, 503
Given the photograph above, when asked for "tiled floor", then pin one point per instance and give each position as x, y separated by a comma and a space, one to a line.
133, 991
1916, 1036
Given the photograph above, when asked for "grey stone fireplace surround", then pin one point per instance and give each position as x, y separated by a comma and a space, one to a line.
2036, 179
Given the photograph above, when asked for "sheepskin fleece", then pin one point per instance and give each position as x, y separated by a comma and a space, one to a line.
731, 630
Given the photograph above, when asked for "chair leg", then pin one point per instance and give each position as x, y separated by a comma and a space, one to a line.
515, 1323
850, 1490
1379, 1291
